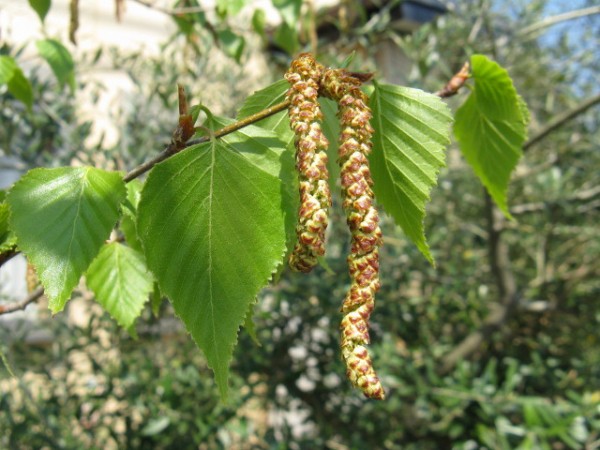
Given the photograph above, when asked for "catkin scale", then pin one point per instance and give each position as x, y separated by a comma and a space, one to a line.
363, 221
311, 161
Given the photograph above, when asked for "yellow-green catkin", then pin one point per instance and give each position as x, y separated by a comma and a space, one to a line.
31, 278
363, 220
311, 162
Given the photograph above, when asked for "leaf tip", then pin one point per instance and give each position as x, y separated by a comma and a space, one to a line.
55, 305
426, 252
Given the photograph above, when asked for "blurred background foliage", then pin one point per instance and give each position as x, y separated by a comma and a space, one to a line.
532, 381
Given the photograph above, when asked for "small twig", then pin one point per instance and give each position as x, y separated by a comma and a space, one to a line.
173, 149
74, 21
119, 9
171, 12
560, 120
455, 83
553, 20
581, 196
12, 307
478, 23
245, 122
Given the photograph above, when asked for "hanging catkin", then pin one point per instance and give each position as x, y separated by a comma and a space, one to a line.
363, 220
311, 161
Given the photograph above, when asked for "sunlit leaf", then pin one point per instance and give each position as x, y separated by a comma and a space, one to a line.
16, 82
491, 127
289, 10
128, 223
230, 7
265, 98
280, 124
61, 218
7, 237
59, 59
286, 37
156, 300
409, 145
259, 20
121, 282
212, 224
41, 7
232, 44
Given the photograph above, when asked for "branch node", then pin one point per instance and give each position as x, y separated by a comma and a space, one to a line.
455, 83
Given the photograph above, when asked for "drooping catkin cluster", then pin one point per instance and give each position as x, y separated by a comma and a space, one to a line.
311, 161
363, 220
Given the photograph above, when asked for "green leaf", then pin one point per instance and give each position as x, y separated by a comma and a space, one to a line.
411, 134
232, 44
61, 218
7, 68
6, 364
17, 84
41, 7
7, 237
60, 61
20, 87
156, 300
259, 20
263, 99
280, 124
230, 7
121, 282
286, 37
348, 60
289, 10
212, 223
128, 220
491, 128
185, 24
531, 416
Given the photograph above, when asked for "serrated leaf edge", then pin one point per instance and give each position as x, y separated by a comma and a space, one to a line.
421, 243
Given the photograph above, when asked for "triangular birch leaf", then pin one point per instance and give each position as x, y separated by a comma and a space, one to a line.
491, 127
411, 135
61, 218
121, 282
212, 224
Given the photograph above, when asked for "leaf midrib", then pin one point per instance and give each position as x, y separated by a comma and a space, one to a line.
83, 185
210, 282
